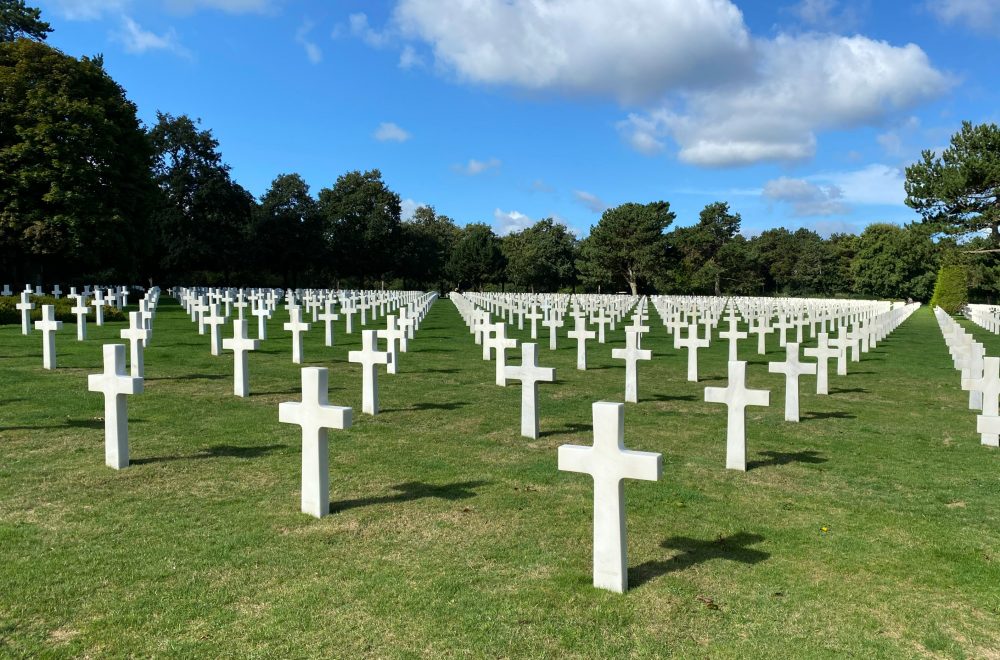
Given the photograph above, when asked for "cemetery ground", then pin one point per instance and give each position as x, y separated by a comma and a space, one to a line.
871, 528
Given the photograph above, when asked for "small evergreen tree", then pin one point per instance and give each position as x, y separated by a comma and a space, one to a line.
952, 289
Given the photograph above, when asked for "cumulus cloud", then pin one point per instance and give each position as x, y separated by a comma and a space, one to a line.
875, 184
829, 15
390, 132
313, 51
407, 208
138, 40
87, 10
978, 15
539, 185
228, 6
510, 221
474, 167
408, 58
805, 198
361, 29
724, 97
590, 200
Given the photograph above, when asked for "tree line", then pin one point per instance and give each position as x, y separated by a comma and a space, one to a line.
88, 193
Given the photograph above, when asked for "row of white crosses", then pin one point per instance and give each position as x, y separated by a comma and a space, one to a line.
980, 375
116, 296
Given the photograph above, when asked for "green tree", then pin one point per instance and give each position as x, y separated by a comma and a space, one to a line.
287, 230
75, 183
18, 20
427, 241
476, 258
894, 262
541, 257
361, 223
951, 291
697, 248
628, 244
203, 218
959, 192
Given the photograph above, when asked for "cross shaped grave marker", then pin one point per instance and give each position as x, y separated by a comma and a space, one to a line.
609, 463
393, 336
214, 321
534, 316
240, 344
733, 335
638, 328
408, 324
989, 385
136, 334
602, 320
782, 325
81, 309
296, 327
761, 326
369, 357
552, 322
530, 374
972, 370
315, 415
327, 316
48, 325
692, 343
737, 397
822, 353
25, 307
792, 369
631, 354
114, 384
840, 343
499, 342
261, 311
200, 309
98, 303
581, 335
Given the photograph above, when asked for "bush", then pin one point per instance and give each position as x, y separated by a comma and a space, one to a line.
951, 291
10, 315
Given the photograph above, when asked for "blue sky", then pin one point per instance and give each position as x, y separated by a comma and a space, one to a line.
508, 111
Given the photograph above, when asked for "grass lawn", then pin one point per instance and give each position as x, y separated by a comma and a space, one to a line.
453, 536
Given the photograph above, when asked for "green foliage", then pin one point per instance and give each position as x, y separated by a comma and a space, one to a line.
427, 242
75, 183
951, 292
20, 21
9, 314
628, 244
959, 192
288, 231
541, 257
894, 262
700, 265
476, 258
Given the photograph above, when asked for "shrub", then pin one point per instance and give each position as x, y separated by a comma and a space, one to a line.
951, 291
10, 315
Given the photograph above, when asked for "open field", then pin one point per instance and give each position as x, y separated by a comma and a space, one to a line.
871, 528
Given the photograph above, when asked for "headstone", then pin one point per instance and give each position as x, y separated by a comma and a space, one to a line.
81, 309
328, 317
733, 335
98, 303
115, 385
369, 357
692, 343
214, 321
737, 397
609, 463
393, 336
500, 343
296, 327
792, 369
240, 344
136, 334
48, 325
631, 354
25, 307
530, 374
822, 353
581, 335
315, 415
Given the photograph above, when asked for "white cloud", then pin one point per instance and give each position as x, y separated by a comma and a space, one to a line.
390, 132
474, 167
88, 10
137, 40
629, 49
408, 58
407, 207
539, 185
875, 184
590, 200
829, 15
228, 6
313, 51
806, 199
511, 221
361, 29
978, 15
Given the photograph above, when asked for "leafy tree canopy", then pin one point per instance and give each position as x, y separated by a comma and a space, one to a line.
17, 20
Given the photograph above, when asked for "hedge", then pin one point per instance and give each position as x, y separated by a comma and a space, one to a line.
951, 291
10, 315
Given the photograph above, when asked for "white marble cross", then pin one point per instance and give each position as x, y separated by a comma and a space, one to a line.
369, 357
602, 320
631, 354
136, 334
81, 309
214, 321
734, 336
737, 397
25, 307
261, 311
48, 325
240, 344
327, 316
530, 374
581, 335
114, 384
792, 369
822, 353
98, 303
393, 336
499, 342
692, 343
296, 327
609, 463
315, 415
989, 385
534, 316
552, 323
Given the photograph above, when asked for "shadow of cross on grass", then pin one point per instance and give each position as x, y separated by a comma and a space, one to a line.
786, 457
414, 490
216, 451
696, 551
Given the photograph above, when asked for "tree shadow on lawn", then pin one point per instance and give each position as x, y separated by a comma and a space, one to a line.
69, 423
216, 451
775, 458
414, 490
696, 551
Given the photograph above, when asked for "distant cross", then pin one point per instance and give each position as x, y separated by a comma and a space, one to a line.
114, 384
823, 353
48, 325
692, 343
792, 369
581, 335
296, 327
530, 374
393, 336
369, 357
136, 334
56, 292
552, 322
327, 316
609, 463
734, 335
348, 310
261, 311
761, 326
200, 309
602, 320
989, 385
534, 316
81, 309
25, 307
840, 343
214, 321
782, 326
631, 354
638, 329
315, 415
240, 305
98, 304
972, 371
499, 342
240, 344
408, 324
737, 397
